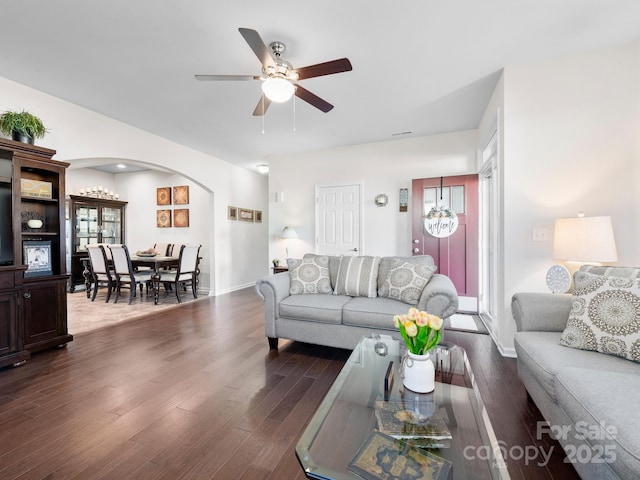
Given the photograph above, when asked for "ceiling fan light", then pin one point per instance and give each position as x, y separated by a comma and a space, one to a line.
278, 89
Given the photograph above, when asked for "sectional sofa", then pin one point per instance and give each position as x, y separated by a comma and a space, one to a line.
586, 383
359, 297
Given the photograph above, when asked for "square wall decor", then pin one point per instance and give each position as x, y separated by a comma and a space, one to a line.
181, 195
163, 218
181, 217
245, 215
163, 196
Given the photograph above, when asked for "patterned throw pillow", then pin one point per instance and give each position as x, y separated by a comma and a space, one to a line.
358, 276
309, 275
406, 282
605, 316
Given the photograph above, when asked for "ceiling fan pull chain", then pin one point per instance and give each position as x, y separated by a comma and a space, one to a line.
294, 113
262, 114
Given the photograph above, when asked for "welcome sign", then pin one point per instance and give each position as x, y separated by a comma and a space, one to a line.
441, 222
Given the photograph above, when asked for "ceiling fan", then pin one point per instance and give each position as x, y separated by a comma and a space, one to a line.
279, 77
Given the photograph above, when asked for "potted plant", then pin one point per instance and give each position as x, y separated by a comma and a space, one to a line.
22, 126
276, 262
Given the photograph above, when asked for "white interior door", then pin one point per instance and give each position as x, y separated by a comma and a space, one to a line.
338, 219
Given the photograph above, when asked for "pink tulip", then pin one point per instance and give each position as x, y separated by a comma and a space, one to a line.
435, 322
397, 319
413, 313
423, 319
410, 328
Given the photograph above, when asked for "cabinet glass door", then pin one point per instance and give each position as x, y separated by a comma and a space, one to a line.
111, 225
86, 227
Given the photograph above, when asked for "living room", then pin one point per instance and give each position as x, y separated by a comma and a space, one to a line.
568, 129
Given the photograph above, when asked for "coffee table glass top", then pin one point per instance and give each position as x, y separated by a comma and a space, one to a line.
346, 417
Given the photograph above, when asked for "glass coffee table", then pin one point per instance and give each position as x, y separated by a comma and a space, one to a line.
346, 418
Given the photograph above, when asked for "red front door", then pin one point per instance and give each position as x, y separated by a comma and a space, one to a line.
456, 255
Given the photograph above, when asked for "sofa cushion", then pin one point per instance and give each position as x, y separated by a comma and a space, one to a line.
314, 307
358, 276
605, 315
406, 282
334, 265
309, 275
372, 312
543, 354
601, 406
388, 263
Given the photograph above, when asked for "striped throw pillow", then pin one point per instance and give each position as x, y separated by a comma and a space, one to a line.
358, 276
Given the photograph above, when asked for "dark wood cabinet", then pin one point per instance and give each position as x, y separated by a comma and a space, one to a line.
92, 220
33, 276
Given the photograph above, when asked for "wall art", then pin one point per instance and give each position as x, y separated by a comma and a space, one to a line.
163, 218
245, 215
181, 195
37, 257
163, 196
181, 217
232, 213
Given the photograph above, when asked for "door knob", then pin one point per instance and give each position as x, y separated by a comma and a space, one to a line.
354, 249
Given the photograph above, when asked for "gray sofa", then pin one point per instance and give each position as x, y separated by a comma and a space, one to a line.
591, 400
341, 320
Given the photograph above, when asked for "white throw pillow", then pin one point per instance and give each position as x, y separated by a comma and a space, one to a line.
358, 276
309, 275
406, 282
605, 316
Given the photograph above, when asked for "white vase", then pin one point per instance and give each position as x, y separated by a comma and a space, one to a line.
419, 373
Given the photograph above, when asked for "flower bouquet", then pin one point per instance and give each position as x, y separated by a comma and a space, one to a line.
420, 330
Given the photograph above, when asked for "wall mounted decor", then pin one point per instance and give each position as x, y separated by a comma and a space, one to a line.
163, 218
245, 215
181, 217
232, 213
404, 199
163, 196
381, 200
257, 216
181, 195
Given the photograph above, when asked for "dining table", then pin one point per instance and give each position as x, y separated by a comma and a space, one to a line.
157, 263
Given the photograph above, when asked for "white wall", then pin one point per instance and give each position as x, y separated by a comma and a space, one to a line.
571, 129
381, 167
77, 134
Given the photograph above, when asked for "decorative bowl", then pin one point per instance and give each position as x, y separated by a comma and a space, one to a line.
34, 223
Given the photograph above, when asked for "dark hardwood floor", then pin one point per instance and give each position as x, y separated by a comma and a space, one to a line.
195, 393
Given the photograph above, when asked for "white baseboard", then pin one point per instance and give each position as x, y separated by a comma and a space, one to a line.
231, 289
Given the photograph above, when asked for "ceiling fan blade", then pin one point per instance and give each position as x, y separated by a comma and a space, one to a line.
225, 78
258, 46
263, 105
312, 99
326, 68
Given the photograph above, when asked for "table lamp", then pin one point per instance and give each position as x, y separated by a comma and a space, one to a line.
580, 240
288, 233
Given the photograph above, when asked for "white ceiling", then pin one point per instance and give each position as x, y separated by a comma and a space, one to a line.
419, 66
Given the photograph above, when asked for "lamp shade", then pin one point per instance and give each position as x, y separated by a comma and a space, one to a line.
278, 89
584, 239
289, 232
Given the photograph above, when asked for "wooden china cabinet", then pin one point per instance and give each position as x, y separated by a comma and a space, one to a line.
93, 220
33, 277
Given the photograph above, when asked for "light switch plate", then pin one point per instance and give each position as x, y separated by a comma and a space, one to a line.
541, 235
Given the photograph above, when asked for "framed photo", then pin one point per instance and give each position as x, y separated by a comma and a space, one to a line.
257, 216
245, 215
37, 257
163, 218
181, 217
163, 196
181, 195
232, 213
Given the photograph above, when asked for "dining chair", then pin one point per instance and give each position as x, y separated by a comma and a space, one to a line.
187, 272
126, 276
100, 271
